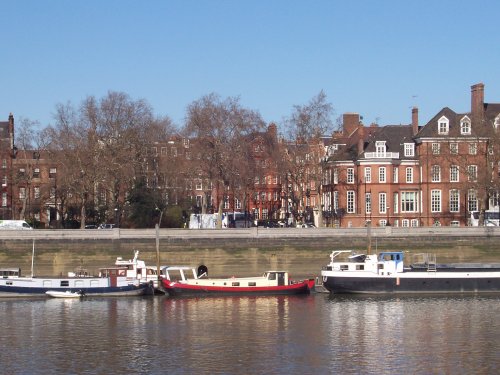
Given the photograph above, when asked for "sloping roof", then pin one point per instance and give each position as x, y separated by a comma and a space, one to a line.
430, 130
394, 136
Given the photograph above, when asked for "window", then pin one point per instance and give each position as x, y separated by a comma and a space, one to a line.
163, 151
405, 223
335, 200
350, 175
435, 173
472, 173
496, 124
368, 175
37, 192
395, 173
381, 174
382, 223
436, 148
414, 223
472, 148
443, 126
454, 200
22, 193
472, 200
335, 176
226, 203
395, 198
53, 194
4, 181
409, 201
36, 172
265, 214
380, 148
382, 203
435, 200
409, 175
154, 151
4, 163
185, 142
4, 199
454, 173
409, 149
351, 207
368, 203
52, 172
465, 126
198, 184
454, 148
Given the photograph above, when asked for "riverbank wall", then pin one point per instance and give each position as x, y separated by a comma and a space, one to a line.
240, 252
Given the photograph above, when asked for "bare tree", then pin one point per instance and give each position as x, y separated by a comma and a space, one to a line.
221, 128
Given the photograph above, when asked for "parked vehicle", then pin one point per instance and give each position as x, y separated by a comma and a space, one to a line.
107, 226
15, 225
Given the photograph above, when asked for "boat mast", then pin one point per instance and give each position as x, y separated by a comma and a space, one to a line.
369, 232
157, 228
32, 257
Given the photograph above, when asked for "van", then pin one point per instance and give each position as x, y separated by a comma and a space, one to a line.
15, 225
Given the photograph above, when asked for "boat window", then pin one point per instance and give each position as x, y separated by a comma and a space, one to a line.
381, 266
64, 283
252, 283
271, 276
235, 284
360, 267
344, 267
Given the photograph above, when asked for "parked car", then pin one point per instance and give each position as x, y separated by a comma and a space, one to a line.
91, 226
107, 226
306, 225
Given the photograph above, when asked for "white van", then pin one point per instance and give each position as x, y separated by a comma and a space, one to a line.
15, 225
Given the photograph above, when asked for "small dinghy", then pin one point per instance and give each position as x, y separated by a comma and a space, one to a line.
65, 294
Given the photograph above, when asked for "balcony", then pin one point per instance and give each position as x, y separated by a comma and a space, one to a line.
385, 155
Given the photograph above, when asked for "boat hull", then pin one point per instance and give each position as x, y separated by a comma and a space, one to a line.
405, 284
99, 291
180, 289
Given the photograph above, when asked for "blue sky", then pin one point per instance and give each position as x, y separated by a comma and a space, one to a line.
377, 58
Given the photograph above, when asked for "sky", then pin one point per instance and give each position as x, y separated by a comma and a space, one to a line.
375, 58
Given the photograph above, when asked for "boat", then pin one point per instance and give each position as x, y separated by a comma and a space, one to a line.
136, 269
66, 294
386, 272
187, 281
111, 281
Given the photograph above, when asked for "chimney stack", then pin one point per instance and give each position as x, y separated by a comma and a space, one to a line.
477, 102
350, 123
414, 120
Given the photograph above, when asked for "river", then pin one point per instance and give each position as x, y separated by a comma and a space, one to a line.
314, 334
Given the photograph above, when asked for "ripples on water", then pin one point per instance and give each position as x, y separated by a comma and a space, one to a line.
317, 334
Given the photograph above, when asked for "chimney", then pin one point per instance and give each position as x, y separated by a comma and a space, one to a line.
11, 131
477, 102
414, 120
350, 123
361, 139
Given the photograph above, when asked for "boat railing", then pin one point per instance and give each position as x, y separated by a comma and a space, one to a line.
426, 260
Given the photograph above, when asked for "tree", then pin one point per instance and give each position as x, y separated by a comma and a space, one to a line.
221, 128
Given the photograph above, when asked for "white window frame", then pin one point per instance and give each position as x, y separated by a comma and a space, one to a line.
454, 148
395, 175
473, 148
409, 201
382, 174
454, 173
436, 148
409, 149
435, 200
380, 149
472, 201
409, 175
454, 200
465, 126
472, 173
435, 173
382, 203
368, 203
351, 201
443, 126
368, 175
350, 175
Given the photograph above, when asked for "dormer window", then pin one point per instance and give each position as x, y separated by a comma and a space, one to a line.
443, 126
409, 149
465, 126
380, 149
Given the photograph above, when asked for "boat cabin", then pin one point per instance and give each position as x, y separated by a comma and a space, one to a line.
9, 272
385, 263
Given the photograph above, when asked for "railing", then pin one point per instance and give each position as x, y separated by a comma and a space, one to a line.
378, 155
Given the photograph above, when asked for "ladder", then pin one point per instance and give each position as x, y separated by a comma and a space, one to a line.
431, 262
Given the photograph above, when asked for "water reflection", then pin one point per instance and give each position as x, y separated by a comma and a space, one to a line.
249, 335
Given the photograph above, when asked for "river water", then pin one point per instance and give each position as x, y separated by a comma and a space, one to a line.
314, 334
